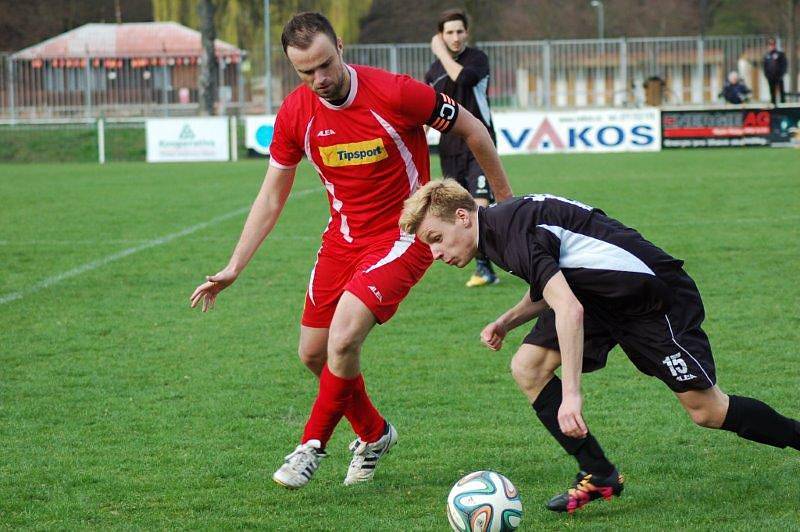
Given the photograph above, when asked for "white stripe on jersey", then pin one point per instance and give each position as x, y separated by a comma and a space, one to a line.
336, 203
482, 99
542, 197
411, 169
311, 279
581, 251
400, 246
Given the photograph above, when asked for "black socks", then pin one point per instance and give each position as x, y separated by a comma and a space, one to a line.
756, 421
586, 451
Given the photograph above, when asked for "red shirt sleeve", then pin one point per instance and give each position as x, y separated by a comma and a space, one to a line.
420, 104
416, 100
286, 148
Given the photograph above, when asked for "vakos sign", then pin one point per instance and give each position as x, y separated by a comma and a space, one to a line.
602, 130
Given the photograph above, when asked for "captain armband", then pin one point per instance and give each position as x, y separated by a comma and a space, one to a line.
444, 114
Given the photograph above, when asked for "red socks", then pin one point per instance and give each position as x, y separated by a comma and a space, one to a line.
337, 397
367, 422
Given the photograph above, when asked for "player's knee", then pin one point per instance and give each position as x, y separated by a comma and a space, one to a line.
343, 344
313, 359
702, 418
707, 416
532, 367
707, 408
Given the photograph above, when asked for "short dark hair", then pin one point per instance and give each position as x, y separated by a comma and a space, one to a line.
300, 31
451, 15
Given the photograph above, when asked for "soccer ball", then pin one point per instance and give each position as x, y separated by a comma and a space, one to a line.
484, 501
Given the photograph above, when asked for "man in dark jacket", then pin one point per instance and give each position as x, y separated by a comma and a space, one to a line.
774, 70
462, 72
735, 91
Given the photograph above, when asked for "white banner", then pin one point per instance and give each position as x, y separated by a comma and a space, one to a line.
591, 130
187, 139
258, 132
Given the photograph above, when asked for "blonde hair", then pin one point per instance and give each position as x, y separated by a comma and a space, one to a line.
440, 198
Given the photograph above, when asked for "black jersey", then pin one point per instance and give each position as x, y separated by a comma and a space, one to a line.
470, 90
605, 263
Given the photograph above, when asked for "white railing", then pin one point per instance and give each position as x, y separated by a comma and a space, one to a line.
525, 74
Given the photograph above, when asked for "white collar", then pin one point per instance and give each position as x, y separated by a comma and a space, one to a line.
478, 227
350, 95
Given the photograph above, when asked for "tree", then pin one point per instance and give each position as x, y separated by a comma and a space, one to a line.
209, 68
791, 43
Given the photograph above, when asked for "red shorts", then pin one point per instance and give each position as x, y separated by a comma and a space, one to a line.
380, 274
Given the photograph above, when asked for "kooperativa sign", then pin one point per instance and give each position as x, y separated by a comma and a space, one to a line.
187, 139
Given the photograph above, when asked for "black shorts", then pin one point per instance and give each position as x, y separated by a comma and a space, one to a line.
670, 346
465, 169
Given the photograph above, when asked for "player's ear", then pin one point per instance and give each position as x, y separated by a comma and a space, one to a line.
339, 45
462, 215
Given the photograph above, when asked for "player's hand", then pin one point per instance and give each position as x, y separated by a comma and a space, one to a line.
493, 334
570, 419
438, 47
207, 292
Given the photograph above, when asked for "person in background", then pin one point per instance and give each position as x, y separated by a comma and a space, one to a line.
735, 91
462, 72
774, 69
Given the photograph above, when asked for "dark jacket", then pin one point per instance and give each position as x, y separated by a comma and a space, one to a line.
774, 64
735, 92
470, 90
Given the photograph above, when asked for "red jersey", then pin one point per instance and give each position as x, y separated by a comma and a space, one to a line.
370, 152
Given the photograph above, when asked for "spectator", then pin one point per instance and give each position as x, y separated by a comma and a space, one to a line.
462, 73
735, 91
774, 70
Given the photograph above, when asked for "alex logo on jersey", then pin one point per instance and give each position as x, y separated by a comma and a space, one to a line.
353, 153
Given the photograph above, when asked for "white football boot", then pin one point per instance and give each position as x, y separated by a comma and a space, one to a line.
300, 465
366, 456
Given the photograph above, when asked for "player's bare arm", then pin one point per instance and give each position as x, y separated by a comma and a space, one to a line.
262, 218
569, 327
523, 312
439, 49
480, 143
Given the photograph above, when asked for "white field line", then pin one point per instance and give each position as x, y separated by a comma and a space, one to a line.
89, 266
115, 242
110, 242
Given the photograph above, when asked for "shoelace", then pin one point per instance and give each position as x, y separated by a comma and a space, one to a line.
358, 447
582, 486
301, 456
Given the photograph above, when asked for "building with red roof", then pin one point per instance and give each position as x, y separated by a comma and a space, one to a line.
131, 68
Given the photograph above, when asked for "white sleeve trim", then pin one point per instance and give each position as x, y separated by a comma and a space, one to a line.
276, 164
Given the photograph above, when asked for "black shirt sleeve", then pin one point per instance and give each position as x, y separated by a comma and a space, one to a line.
543, 266
474, 70
429, 76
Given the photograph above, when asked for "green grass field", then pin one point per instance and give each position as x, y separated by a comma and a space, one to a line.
122, 408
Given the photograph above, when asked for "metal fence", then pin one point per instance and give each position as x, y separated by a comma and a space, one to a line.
546, 74
99, 86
